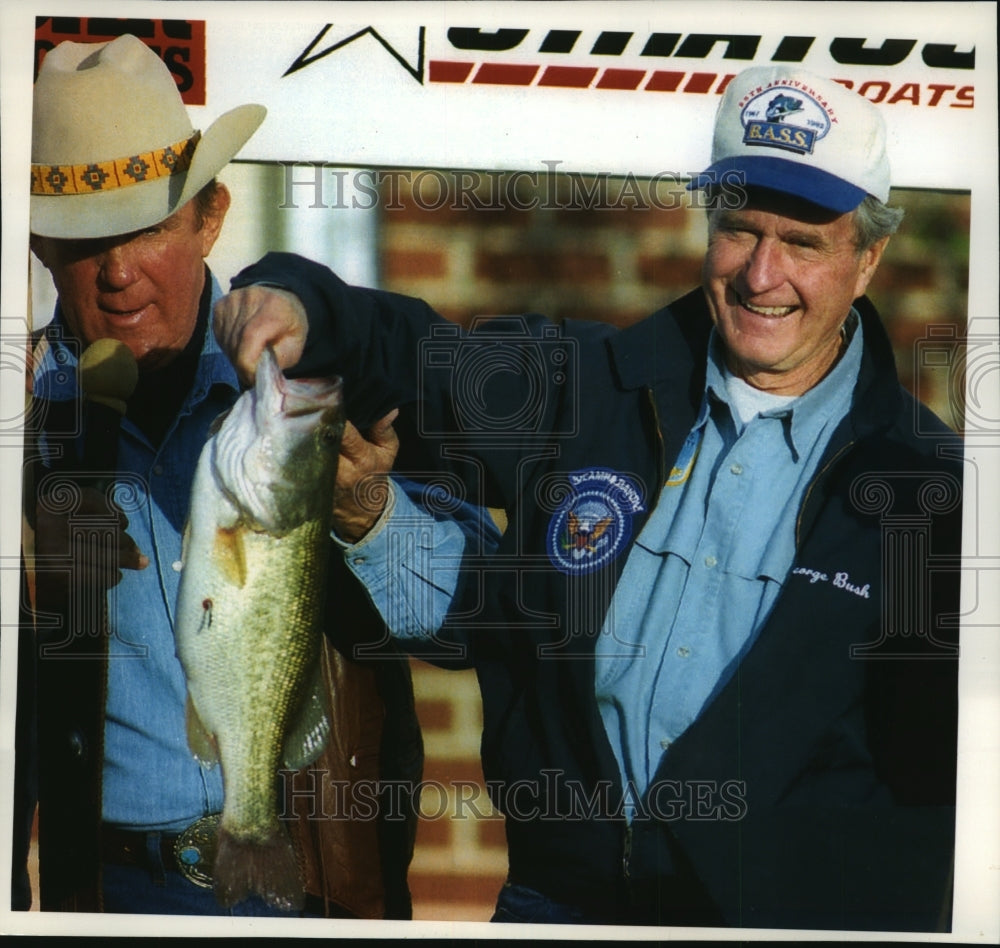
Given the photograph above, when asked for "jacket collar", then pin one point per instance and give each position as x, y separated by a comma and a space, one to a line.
877, 395
669, 345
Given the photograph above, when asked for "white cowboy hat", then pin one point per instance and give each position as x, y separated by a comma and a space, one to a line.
112, 147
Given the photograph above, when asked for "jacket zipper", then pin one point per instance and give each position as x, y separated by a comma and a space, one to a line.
661, 467
819, 476
661, 458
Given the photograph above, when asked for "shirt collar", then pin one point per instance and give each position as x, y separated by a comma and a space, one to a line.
806, 416
214, 368
54, 375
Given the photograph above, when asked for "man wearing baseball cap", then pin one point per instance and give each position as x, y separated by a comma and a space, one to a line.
125, 207
718, 679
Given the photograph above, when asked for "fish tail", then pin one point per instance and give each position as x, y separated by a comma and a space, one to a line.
265, 868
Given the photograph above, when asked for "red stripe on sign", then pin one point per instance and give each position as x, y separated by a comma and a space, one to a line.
701, 81
504, 74
443, 71
662, 81
621, 79
721, 87
574, 77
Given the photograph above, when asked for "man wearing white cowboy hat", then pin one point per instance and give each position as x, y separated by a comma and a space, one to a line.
718, 673
124, 209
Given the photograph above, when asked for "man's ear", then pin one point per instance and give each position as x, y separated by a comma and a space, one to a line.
215, 215
870, 259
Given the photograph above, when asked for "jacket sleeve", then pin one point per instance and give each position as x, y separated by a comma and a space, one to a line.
369, 337
472, 402
412, 564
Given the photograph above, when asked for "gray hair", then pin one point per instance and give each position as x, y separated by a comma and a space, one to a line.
874, 220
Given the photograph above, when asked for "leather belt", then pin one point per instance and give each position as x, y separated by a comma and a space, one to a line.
131, 848
191, 852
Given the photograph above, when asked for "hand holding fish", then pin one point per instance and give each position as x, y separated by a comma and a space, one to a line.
362, 473
250, 319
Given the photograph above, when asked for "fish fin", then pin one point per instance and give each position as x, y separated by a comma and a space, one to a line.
230, 556
266, 868
201, 741
310, 728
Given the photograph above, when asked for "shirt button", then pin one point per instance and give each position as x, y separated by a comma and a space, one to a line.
736, 468
177, 566
158, 469
664, 744
683, 651
359, 561
710, 561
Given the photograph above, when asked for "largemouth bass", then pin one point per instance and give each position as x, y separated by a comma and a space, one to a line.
248, 610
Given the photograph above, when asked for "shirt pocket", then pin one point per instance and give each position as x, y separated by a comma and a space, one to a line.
762, 558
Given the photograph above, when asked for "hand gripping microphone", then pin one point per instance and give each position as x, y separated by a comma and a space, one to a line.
107, 374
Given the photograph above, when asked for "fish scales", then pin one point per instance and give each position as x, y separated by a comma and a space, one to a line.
271, 629
249, 610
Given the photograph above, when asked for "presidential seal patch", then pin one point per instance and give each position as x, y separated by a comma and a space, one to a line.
594, 523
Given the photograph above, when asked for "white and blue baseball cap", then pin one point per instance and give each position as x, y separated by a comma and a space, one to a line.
788, 130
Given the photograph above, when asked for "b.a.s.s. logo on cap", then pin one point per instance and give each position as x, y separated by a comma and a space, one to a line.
593, 524
784, 117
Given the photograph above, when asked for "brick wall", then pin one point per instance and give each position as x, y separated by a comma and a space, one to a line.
614, 263
461, 856
609, 263
921, 290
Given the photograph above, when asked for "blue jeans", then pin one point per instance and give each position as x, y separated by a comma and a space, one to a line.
153, 889
518, 903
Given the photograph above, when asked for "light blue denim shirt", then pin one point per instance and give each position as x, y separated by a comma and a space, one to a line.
706, 569
701, 578
410, 561
150, 779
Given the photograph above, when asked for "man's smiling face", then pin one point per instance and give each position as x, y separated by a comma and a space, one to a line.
140, 288
780, 277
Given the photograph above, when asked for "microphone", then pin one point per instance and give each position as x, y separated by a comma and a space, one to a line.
107, 375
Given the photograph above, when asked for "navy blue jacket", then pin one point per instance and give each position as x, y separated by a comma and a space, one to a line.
817, 788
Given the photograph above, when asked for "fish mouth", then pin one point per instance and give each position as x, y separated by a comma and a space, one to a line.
307, 396
295, 398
